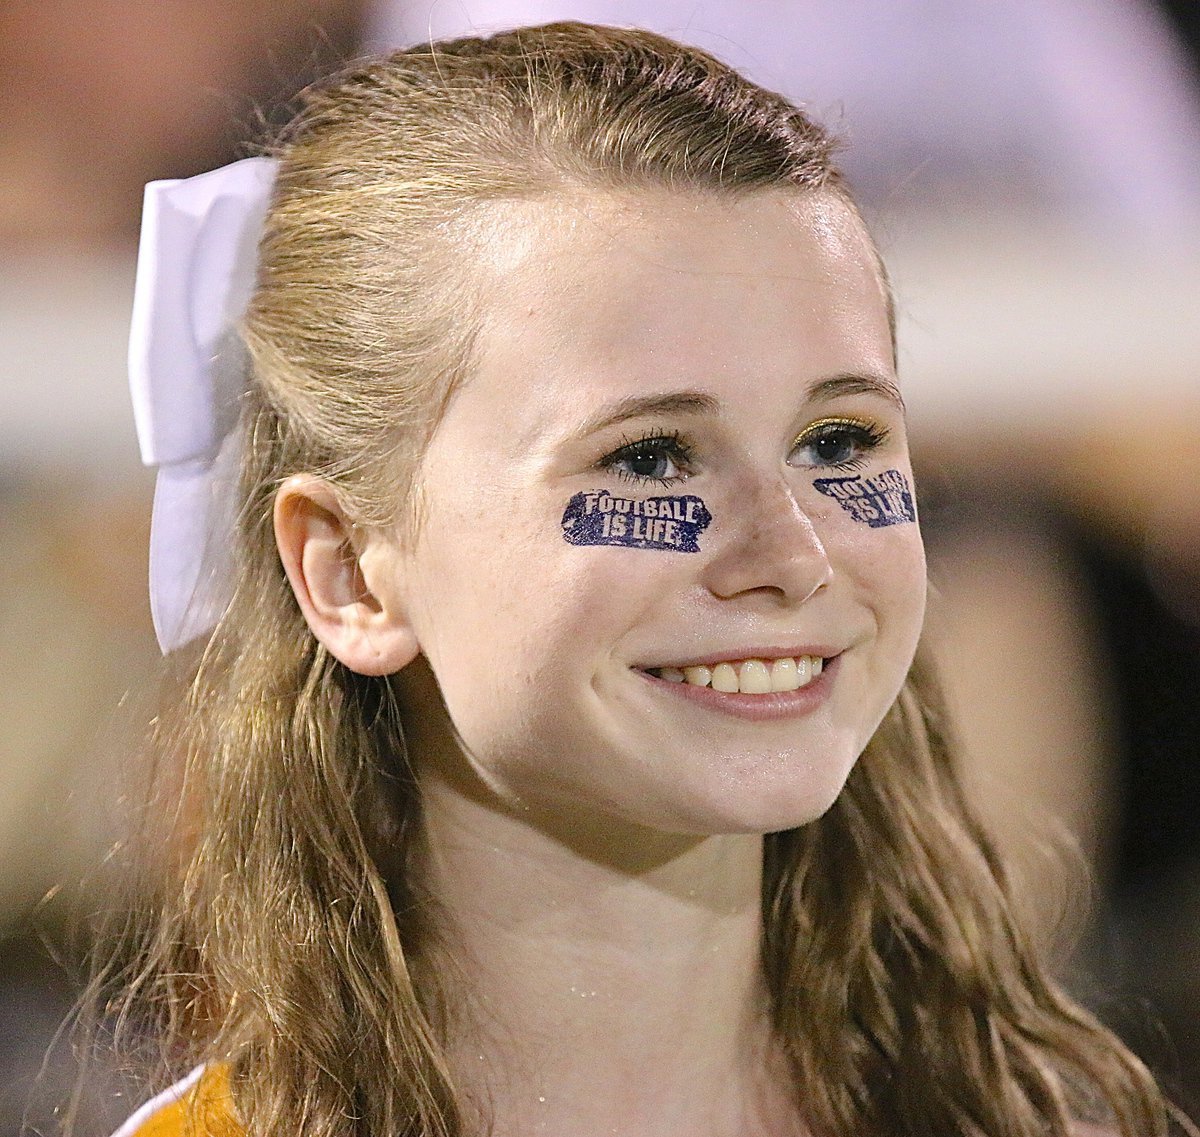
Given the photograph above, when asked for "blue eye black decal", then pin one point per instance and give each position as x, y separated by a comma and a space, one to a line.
671, 523
885, 499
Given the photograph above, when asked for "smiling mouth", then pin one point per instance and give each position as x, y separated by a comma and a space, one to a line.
747, 676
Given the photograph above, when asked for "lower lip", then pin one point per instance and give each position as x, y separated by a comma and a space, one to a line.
758, 708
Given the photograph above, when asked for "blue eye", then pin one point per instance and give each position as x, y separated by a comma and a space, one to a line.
838, 444
661, 458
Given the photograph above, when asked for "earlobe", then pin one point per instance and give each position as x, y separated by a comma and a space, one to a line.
323, 555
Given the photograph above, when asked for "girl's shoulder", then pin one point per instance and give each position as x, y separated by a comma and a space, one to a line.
198, 1106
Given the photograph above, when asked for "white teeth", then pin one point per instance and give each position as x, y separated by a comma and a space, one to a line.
784, 676
724, 678
754, 678
749, 676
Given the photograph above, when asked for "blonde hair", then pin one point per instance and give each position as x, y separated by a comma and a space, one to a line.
294, 940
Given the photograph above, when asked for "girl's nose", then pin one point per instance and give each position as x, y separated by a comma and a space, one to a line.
769, 546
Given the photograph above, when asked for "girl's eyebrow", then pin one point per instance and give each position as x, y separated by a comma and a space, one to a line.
638, 406
700, 403
857, 384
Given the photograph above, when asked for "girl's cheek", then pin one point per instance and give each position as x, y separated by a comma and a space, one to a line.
876, 500
868, 524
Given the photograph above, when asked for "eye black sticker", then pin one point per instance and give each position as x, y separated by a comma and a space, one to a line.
885, 499
671, 523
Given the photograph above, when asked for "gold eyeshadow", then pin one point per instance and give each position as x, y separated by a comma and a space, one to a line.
863, 424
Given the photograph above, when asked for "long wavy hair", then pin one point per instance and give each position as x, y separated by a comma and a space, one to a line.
291, 937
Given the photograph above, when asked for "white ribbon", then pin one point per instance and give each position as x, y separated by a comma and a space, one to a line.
196, 270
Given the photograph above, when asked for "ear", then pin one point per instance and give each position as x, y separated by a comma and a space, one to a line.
323, 555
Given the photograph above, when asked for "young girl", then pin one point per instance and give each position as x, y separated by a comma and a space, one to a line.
559, 762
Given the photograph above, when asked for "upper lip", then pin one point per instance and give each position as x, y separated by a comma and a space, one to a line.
729, 655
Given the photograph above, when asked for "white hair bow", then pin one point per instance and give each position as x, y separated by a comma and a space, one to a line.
196, 270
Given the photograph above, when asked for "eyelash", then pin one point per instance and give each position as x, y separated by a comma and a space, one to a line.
672, 445
864, 435
655, 444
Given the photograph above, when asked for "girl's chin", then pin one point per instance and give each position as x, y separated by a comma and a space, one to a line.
746, 810
760, 790
612, 825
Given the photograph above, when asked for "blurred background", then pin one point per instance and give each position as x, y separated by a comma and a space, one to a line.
1032, 172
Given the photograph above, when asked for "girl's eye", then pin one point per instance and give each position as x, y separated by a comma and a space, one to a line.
839, 444
662, 458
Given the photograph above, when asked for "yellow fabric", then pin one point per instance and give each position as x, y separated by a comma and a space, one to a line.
206, 1110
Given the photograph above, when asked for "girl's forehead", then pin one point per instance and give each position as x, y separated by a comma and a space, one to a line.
579, 236
613, 291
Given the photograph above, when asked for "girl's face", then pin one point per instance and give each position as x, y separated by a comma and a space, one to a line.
732, 356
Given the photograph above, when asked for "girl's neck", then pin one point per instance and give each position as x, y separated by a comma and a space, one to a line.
614, 985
